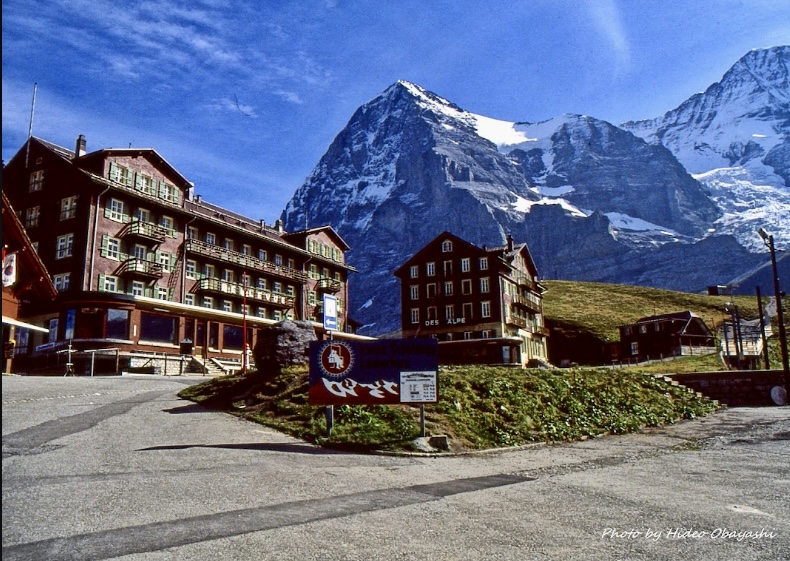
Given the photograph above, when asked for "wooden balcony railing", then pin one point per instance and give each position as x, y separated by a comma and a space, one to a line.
246, 261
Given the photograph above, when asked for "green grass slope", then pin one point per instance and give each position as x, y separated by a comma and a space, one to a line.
478, 408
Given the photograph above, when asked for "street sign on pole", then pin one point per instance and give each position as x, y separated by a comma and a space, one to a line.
330, 313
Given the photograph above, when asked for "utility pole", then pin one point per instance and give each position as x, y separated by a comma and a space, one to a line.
768, 239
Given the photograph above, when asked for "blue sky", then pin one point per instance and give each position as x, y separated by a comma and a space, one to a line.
243, 98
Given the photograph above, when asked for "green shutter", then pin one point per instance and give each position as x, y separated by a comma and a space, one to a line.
104, 242
114, 172
138, 181
101, 282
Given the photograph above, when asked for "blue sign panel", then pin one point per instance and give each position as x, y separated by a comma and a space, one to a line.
330, 312
367, 372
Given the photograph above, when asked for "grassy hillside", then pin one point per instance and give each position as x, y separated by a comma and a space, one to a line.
584, 316
479, 407
599, 309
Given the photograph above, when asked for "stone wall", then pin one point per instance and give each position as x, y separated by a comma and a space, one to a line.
734, 387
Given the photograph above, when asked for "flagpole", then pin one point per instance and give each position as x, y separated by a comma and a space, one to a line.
30, 125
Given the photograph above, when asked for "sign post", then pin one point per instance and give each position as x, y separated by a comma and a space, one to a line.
386, 372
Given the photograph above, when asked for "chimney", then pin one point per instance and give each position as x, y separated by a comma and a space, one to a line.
278, 225
79, 149
263, 224
509, 242
197, 199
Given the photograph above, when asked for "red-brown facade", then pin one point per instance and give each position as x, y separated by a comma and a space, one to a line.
142, 264
483, 305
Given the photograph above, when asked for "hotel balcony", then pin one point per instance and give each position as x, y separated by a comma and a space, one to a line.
529, 302
247, 261
145, 230
140, 268
328, 285
219, 286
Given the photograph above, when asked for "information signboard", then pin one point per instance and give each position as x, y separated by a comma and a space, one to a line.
330, 312
373, 372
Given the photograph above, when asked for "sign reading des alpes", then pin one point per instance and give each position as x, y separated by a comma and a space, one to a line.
373, 372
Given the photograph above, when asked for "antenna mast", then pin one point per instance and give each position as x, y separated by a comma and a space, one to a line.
30, 126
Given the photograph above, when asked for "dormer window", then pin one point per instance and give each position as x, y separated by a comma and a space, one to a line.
447, 246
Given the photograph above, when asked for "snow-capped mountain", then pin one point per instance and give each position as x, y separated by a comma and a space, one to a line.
594, 201
735, 139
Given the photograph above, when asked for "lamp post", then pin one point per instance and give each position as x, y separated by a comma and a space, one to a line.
768, 240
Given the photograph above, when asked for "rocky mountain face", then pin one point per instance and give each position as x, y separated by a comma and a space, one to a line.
593, 201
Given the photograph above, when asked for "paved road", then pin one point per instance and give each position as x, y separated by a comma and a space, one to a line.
121, 468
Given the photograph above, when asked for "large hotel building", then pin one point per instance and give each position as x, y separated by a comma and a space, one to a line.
483, 305
143, 265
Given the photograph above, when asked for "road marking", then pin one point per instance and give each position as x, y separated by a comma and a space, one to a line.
163, 535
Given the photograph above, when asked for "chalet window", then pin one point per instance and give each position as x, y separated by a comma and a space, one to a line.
111, 247
415, 315
467, 309
262, 255
246, 249
62, 282
467, 335
261, 284
208, 302
211, 239
228, 244
110, 284
433, 313
449, 312
161, 293
448, 268
278, 259
465, 265
485, 309
634, 348
227, 306
139, 251
68, 208
430, 290
291, 264
277, 287
485, 285
209, 271
447, 246
414, 271
313, 271
486, 333
642, 329
227, 275
191, 269
192, 233
189, 299
165, 260
37, 180
484, 263
115, 210
466, 286
430, 269
64, 246
32, 216
138, 288
121, 174
168, 223
414, 291
448, 288
142, 215
232, 337
145, 184
261, 312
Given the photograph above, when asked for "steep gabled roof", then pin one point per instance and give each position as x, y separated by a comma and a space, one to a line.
437, 241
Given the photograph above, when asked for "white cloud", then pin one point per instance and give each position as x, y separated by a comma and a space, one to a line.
608, 20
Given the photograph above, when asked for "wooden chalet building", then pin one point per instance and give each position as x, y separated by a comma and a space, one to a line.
485, 306
141, 264
667, 335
